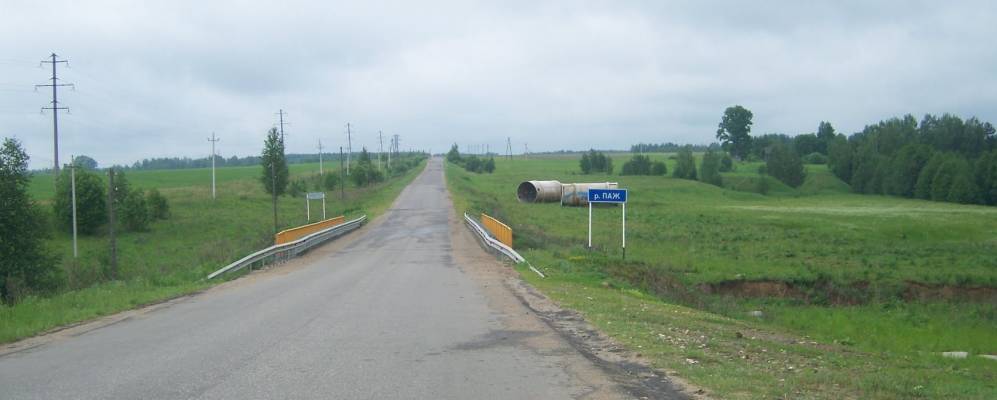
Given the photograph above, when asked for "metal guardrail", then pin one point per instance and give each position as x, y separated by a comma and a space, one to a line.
291, 249
497, 245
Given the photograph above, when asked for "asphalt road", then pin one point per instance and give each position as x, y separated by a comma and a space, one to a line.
405, 308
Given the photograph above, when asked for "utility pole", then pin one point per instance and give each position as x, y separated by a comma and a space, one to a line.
380, 148
273, 194
349, 148
320, 172
72, 180
110, 219
281, 113
342, 178
213, 140
55, 107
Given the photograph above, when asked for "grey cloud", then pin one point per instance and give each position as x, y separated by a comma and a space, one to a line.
156, 79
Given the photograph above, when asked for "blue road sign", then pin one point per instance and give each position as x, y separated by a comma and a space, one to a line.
607, 195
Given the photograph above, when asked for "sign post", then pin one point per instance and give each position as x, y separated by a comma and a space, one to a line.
314, 196
615, 196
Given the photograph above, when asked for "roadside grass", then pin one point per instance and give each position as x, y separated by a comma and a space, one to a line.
685, 236
174, 255
743, 359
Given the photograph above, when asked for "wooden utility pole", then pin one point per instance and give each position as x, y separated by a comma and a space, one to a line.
342, 178
111, 196
380, 148
273, 193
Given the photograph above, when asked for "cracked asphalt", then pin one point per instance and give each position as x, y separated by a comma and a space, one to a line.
407, 307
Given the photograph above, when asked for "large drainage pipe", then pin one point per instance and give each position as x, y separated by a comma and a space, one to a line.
569, 194
539, 191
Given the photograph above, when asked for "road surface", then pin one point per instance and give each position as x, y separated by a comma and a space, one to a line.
404, 308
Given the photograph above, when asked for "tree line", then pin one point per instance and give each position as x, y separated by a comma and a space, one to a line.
472, 162
940, 158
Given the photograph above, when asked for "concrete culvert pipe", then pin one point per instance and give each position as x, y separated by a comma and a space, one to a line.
539, 191
577, 194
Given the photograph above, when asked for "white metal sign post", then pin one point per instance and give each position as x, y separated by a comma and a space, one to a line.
617, 196
314, 196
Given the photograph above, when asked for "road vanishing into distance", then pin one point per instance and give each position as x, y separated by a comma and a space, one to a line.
408, 307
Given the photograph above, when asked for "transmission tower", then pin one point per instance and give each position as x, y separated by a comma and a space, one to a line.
55, 105
508, 148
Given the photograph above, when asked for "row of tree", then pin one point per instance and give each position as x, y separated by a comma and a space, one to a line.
471, 163
596, 162
941, 158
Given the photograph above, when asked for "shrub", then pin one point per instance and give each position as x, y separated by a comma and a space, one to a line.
709, 169
596, 161
330, 181
815, 158
638, 165
298, 187
159, 208
726, 163
784, 165
91, 202
134, 213
685, 164
659, 168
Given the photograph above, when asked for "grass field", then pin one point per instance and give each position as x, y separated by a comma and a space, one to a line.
833, 272
174, 255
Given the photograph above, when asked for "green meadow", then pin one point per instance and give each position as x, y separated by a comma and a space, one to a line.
858, 294
174, 255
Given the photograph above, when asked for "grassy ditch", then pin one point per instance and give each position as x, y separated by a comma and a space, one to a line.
858, 293
174, 255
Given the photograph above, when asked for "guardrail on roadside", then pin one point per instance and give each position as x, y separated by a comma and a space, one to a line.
497, 245
291, 249
290, 235
499, 230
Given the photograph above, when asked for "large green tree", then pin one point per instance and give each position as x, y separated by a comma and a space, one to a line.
734, 131
825, 132
275, 173
25, 265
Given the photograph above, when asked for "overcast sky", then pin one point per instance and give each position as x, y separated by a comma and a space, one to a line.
156, 79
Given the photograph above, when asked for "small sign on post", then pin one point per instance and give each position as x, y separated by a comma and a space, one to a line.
617, 196
314, 196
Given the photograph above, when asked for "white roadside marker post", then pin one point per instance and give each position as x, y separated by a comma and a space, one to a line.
590, 225
624, 231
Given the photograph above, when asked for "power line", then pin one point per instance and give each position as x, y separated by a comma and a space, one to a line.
55, 105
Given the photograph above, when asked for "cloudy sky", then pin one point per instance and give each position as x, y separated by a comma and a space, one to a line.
156, 79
